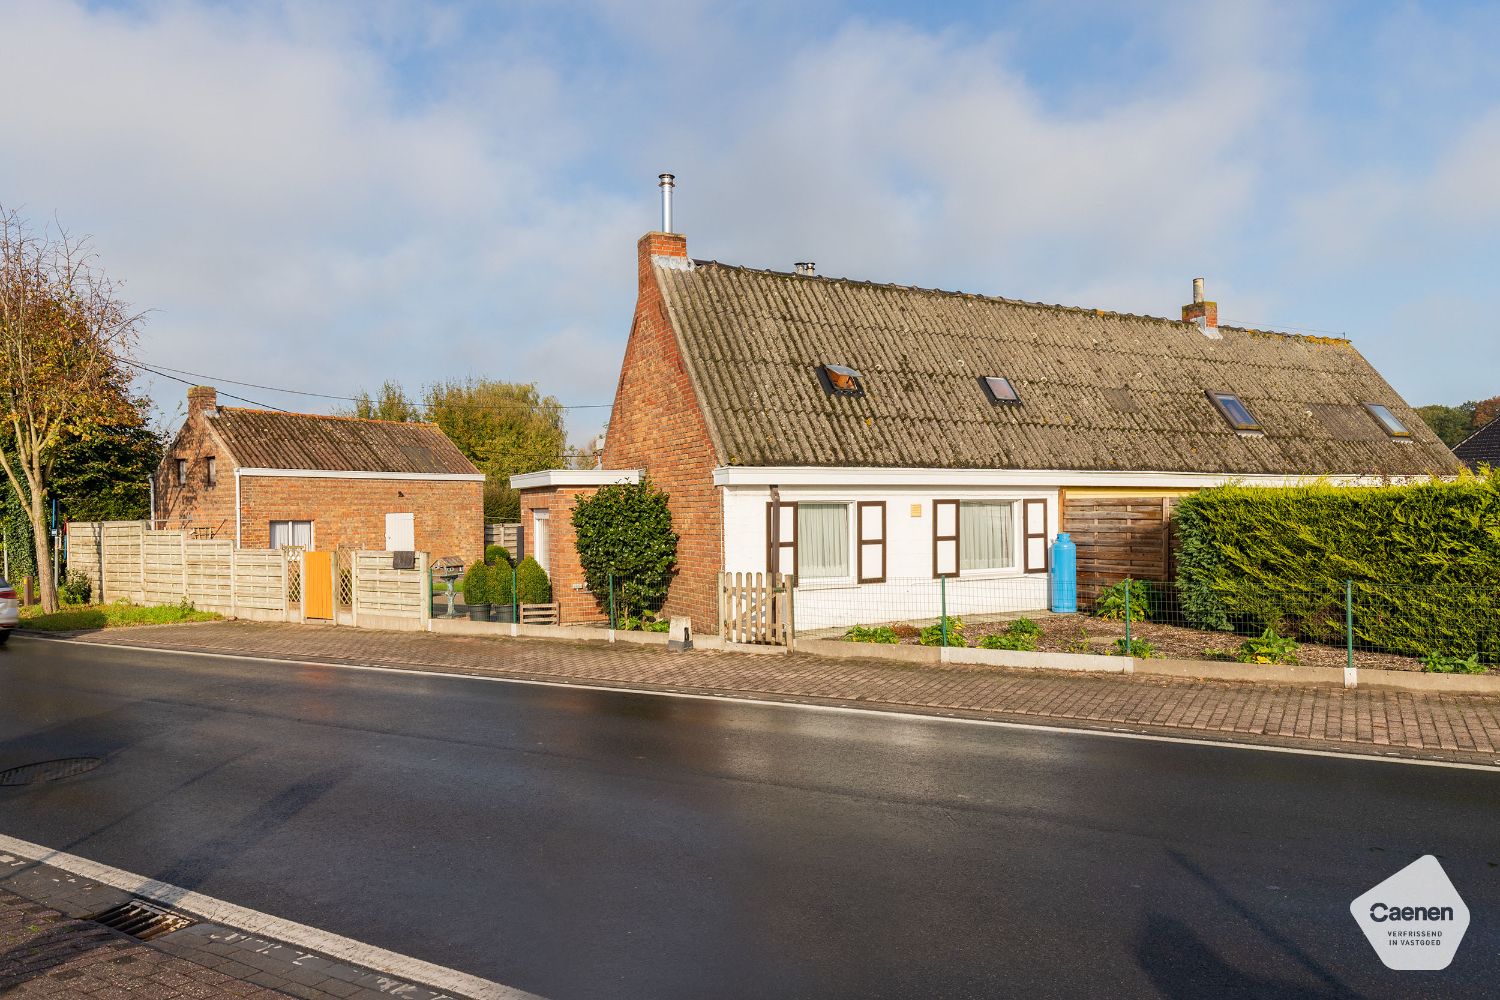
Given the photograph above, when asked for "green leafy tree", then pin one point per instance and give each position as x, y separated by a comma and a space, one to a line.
505, 429
1450, 423
390, 403
107, 477
625, 531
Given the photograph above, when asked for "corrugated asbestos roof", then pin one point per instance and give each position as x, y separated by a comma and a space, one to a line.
263, 439
1099, 390
1482, 447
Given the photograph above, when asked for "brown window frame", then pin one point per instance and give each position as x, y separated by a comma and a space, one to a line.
1028, 536
859, 541
773, 564
938, 539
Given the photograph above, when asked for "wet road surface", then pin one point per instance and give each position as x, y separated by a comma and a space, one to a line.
587, 844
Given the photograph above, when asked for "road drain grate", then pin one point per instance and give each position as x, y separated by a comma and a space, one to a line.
142, 920
49, 770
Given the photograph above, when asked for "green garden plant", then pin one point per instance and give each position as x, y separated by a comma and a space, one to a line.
1023, 626
625, 531
76, 588
877, 633
932, 635
1111, 601
1268, 647
495, 555
502, 584
1438, 663
1139, 648
1009, 640
532, 585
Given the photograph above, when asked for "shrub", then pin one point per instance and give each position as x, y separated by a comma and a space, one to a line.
498, 555
879, 633
647, 623
1111, 601
625, 530
75, 588
1424, 560
1023, 626
932, 635
1008, 640
1138, 648
532, 585
477, 584
502, 584
1268, 647
1437, 663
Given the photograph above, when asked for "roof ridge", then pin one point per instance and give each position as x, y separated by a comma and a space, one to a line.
330, 416
1052, 306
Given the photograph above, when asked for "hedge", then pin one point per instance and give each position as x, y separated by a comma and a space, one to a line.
1424, 561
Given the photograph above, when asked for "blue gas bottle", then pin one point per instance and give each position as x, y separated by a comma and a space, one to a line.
1064, 574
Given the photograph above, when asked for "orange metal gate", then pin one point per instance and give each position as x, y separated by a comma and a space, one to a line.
317, 584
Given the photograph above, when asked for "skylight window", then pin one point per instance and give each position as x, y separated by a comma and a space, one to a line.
839, 380
1388, 420
999, 389
1234, 411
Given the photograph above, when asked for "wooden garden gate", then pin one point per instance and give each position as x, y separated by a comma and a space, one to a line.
756, 608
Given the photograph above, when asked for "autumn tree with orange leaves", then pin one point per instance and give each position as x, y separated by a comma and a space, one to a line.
64, 337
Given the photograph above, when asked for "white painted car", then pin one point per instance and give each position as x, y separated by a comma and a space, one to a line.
10, 610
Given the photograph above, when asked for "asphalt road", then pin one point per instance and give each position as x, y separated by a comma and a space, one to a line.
581, 844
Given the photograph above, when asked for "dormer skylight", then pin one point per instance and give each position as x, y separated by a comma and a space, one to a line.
999, 389
840, 380
1233, 409
1388, 420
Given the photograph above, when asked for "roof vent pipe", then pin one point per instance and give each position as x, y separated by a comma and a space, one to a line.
1197, 290
667, 183
806, 267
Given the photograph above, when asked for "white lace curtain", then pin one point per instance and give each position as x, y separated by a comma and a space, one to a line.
984, 536
822, 541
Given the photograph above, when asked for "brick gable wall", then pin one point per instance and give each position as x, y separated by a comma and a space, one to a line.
657, 426
202, 510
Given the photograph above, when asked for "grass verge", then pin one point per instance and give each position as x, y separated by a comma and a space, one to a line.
111, 616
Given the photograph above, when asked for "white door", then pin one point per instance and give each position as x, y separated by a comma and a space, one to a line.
539, 538
400, 532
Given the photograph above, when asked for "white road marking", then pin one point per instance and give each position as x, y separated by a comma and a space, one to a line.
937, 715
286, 931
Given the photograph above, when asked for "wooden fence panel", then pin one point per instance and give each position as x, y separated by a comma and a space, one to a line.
209, 570
1119, 537
755, 608
381, 590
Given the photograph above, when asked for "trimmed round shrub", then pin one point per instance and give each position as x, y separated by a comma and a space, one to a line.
496, 555
477, 584
502, 584
532, 585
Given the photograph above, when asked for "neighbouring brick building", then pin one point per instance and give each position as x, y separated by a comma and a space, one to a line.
265, 478
871, 440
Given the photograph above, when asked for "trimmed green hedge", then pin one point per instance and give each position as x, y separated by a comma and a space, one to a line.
1424, 561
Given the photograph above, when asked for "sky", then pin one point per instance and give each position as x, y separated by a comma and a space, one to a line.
323, 196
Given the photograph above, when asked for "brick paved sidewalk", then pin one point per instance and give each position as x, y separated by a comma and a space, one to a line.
45, 954
1363, 720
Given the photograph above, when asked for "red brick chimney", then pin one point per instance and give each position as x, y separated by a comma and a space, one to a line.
1203, 313
202, 399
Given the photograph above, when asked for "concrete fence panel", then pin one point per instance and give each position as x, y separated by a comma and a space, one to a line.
386, 597
165, 569
208, 567
259, 584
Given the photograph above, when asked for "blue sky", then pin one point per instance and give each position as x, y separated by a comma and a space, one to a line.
323, 196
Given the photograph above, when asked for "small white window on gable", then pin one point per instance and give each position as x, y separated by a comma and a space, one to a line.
212, 465
182, 472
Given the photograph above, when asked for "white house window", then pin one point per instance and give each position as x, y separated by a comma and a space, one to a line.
182, 472
284, 533
213, 471
822, 541
985, 531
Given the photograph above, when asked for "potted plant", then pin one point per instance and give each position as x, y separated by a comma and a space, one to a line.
502, 595
477, 592
532, 585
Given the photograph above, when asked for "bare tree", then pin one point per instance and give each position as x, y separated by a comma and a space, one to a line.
64, 338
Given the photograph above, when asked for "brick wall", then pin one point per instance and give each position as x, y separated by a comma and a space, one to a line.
448, 516
202, 510
657, 426
576, 604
